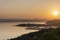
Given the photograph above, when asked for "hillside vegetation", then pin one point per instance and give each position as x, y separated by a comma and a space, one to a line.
44, 34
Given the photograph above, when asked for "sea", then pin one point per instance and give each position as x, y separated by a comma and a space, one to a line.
8, 30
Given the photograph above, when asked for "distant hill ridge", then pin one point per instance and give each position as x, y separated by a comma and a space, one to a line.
21, 20
54, 22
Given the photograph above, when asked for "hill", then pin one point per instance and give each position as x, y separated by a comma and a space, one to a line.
45, 34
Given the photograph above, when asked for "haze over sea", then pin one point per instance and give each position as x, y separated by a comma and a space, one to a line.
8, 30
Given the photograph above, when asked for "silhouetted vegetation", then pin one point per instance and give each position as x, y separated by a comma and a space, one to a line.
31, 25
45, 34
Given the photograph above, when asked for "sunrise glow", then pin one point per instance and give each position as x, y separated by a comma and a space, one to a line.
55, 13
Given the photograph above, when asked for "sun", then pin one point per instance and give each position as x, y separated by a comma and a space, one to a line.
55, 13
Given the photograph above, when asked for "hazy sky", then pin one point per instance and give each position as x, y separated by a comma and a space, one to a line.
28, 8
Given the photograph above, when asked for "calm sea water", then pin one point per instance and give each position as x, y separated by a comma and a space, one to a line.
8, 30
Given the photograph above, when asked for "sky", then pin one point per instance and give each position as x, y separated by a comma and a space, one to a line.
28, 9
